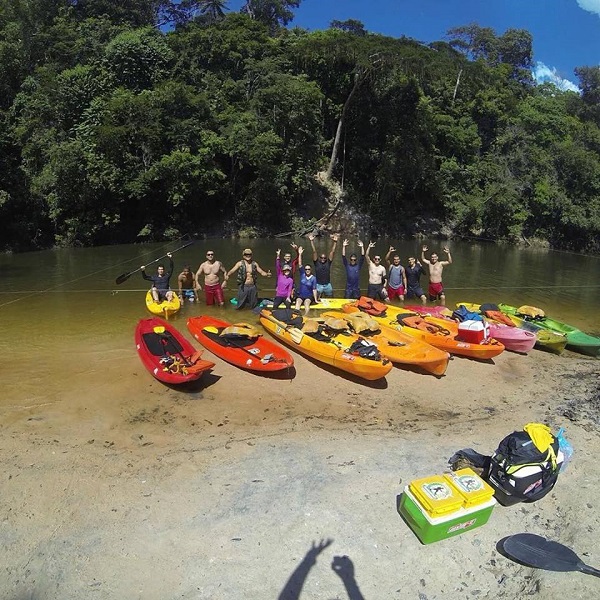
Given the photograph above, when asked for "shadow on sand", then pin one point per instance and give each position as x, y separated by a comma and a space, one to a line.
341, 565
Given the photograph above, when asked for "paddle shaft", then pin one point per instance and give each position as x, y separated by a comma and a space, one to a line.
125, 276
294, 332
589, 570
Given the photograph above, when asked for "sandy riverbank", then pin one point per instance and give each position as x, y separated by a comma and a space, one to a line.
115, 486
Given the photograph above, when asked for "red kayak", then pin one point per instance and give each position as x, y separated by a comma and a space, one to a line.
241, 345
168, 355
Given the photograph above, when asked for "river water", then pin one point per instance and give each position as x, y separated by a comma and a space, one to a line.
76, 287
65, 317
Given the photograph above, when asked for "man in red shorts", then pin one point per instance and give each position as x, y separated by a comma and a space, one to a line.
213, 288
436, 288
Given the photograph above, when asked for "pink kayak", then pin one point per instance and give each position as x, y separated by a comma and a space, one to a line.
513, 338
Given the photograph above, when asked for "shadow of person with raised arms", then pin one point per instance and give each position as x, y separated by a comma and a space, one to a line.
294, 584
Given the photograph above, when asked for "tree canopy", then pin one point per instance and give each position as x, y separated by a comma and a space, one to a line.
147, 119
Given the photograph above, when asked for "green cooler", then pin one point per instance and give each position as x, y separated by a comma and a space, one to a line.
443, 506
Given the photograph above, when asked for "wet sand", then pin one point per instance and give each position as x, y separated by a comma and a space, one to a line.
116, 486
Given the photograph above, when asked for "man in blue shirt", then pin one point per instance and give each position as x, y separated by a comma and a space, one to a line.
353, 267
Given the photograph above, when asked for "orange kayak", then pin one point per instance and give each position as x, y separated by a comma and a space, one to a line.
403, 349
437, 334
254, 354
335, 350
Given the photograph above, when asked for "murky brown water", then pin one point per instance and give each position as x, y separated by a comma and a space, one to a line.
65, 316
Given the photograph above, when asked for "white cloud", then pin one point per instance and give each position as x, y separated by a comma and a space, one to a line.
592, 6
543, 74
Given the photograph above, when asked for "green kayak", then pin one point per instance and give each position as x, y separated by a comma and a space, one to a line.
576, 339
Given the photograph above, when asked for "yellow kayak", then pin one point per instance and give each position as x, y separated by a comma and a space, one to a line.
334, 350
164, 308
401, 348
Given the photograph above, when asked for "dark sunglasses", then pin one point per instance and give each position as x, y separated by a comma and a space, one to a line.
247, 253
210, 254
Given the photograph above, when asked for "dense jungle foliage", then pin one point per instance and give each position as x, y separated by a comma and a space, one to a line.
147, 119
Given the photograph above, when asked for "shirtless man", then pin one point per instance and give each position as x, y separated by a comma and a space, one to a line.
213, 288
436, 288
187, 285
247, 274
377, 277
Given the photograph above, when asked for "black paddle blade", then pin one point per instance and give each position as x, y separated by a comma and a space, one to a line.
121, 278
536, 551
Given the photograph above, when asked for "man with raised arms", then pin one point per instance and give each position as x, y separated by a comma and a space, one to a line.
436, 287
377, 277
213, 288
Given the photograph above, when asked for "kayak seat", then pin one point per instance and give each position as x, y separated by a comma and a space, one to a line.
160, 344
287, 316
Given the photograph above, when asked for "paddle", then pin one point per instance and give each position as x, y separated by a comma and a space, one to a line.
535, 551
294, 332
125, 276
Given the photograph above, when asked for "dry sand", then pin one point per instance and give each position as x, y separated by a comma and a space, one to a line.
117, 487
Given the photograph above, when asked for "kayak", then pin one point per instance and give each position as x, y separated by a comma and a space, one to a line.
253, 354
577, 340
551, 341
333, 350
545, 339
166, 308
514, 338
442, 334
168, 355
323, 304
403, 349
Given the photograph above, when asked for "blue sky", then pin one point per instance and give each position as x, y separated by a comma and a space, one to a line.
566, 33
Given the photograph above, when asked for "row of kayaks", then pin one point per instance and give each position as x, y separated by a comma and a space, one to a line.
364, 345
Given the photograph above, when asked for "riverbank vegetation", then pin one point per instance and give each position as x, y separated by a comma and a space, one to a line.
148, 119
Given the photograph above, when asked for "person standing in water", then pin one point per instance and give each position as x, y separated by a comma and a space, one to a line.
187, 285
247, 274
353, 268
213, 288
396, 276
413, 280
377, 277
436, 287
322, 264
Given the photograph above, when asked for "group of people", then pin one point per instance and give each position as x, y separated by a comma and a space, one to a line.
384, 283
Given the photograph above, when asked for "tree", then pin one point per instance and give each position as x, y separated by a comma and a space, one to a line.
273, 13
350, 26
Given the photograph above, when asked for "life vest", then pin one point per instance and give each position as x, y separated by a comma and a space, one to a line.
531, 311
240, 330
418, 322
372, 307
499, 316
362, 322
336, 324
241, 274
